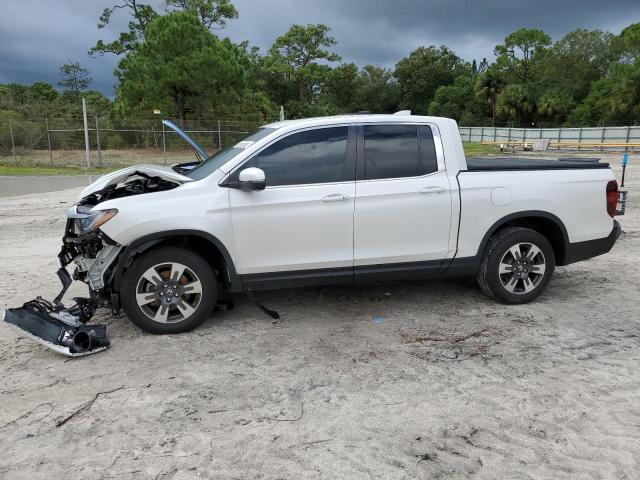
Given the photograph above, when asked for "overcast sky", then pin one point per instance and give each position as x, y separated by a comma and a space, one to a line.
37, 36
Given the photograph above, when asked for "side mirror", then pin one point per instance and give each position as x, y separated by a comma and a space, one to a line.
251, 179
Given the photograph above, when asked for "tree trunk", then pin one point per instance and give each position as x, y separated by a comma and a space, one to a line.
493, 109
301, 88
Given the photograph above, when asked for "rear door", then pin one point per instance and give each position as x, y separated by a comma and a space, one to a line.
403, 199
303, 219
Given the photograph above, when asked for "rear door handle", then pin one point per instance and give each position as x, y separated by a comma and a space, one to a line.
335, 197
426, 190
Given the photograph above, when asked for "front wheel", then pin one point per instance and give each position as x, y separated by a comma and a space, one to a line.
169, 290
517, 265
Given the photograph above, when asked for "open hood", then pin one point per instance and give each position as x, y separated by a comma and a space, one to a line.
119, 176
202, 155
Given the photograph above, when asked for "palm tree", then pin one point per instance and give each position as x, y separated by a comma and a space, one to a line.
488, 87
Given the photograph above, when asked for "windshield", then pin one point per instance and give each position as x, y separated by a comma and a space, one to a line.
218, 159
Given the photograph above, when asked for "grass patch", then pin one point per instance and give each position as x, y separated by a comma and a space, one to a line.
477, 149
20, 171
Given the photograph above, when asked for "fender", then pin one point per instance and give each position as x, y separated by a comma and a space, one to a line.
143, 244
469, 265
522, 215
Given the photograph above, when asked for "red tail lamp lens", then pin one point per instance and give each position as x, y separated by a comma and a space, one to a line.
612, 198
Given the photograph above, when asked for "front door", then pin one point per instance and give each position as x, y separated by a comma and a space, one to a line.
303, 219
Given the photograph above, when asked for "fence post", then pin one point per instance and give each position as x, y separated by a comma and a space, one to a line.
46, 122
13, 144
559, 137
86, 132
469, 130
164, 145
98, 142
219, 137
626, 147
495, 138
579, 138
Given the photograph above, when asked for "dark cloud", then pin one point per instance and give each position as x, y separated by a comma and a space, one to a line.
37, 36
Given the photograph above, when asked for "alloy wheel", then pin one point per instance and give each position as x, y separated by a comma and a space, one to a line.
522, 268
168, 292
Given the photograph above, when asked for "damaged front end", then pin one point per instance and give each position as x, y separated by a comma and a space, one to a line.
65, 329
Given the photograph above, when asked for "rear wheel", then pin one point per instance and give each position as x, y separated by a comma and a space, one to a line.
169, 290
517, 265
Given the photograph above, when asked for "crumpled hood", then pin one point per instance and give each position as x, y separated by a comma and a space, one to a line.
162, 171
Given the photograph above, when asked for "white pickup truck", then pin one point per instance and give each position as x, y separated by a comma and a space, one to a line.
328, 200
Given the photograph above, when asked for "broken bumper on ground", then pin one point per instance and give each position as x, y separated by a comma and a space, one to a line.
37, 321
65, 329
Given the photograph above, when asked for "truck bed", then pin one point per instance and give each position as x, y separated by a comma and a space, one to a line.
478, 164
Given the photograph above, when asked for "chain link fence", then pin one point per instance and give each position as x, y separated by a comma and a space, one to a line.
598, 138
60, 142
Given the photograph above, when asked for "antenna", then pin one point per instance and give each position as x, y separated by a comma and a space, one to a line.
403, 112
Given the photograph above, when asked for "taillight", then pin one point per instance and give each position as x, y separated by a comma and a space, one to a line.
612, 198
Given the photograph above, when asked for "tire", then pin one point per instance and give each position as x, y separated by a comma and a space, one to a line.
517, 265
169, 290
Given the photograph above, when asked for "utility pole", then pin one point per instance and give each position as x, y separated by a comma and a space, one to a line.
86, 132
46, 121
164, 145
13, 144
98, 142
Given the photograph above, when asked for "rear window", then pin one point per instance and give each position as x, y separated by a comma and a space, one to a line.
391, 151
397, 151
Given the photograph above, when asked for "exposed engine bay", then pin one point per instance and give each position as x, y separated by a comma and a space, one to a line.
142, 184
65, 329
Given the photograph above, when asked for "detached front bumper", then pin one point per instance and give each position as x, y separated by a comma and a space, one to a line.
65, 329
36, 320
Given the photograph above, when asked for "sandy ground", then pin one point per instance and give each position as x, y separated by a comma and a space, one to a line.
448, 384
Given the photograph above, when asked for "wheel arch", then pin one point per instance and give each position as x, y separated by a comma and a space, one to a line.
203, 243
545, 223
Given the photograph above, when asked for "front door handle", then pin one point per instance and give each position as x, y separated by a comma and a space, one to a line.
426, 190
335, 197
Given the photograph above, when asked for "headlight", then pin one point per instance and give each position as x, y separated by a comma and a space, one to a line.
95, 220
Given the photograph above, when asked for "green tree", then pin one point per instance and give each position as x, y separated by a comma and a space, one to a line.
376, 90
341, 88
613, 99
516, 104
211, 13
74, 78
554, 106
294, 55
628, 43
488, 86
42, 92
454, 100
575, 61
141, 15
519, 50
423, 71
371, 88
180, 67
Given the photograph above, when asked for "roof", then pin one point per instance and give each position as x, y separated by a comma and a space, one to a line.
354, 118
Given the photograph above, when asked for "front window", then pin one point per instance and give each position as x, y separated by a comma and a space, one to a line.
215, 161
311, 156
